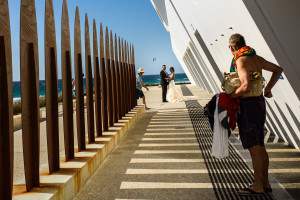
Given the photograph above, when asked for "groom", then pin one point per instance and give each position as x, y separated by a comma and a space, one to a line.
164, 83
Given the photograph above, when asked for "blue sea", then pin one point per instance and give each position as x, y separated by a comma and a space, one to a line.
147, 79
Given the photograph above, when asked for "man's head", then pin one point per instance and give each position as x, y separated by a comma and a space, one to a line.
141, 71
164, 67
236, 42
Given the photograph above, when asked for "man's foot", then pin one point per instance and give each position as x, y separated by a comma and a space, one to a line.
147, 108
165, 101
249, 192
267, 188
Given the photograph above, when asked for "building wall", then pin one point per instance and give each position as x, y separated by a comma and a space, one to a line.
200, 31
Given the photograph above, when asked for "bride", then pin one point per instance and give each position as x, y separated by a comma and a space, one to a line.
173, 95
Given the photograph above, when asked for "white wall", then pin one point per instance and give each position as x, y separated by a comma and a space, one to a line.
279, 22
217, 20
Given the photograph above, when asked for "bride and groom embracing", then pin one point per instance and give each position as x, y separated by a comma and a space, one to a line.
169, 91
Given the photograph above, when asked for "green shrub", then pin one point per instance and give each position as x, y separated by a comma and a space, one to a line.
60, 97
42, 102
17, 107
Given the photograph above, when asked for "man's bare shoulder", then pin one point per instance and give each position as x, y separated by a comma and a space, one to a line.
269, 66
251, 63
243, 61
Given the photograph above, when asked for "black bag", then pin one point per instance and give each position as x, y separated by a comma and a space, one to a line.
209, 111
210, 107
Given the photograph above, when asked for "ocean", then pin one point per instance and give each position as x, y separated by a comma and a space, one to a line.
147, 79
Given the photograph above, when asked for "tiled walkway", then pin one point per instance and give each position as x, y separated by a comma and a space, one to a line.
166, 155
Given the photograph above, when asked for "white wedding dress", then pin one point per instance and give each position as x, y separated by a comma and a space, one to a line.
174, 96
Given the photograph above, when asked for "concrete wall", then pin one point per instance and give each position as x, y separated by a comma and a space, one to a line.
279, 22
200, 31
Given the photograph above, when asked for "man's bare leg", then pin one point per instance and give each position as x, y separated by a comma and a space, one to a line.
257, 161
144, 102
265, 171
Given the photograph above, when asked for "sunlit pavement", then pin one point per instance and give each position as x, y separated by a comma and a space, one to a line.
166, 155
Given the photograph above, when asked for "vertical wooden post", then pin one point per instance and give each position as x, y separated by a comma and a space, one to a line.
97, 82
109, 80
118, 80
6, 105
124, 80
130, 75
121, 80
126, 76
134, 77
129, 78
30, 118
5, 118
114, 81
29, 64
66, 67
103, 82
51, 89
133, 80
79, 85
89, 84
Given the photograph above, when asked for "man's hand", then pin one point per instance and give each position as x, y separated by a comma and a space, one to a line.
147, 88
268, 92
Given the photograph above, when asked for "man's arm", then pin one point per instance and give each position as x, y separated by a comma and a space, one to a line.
244, 76
271, 67
142, 84
162, 74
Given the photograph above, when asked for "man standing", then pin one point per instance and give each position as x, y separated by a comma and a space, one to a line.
139, 85
253, 110
164, 83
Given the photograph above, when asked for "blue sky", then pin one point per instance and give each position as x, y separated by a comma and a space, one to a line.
134, 20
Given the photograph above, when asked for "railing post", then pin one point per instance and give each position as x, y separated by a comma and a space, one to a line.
109, 80
97, 82
89, 84
134, 77
121, 80
51, 89
30, 116
5, 130
67, 84
131, 79
90, 102
68, 107
114, 81
52, 110
117, 80
79, 85
29, 64
126, 77
103, 82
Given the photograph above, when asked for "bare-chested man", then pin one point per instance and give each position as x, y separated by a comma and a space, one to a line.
253, 110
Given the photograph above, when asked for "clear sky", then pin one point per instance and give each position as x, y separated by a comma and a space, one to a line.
134, 20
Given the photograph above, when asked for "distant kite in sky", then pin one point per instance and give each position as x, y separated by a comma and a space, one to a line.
154, 59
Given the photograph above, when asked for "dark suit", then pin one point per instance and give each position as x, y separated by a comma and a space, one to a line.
164, 84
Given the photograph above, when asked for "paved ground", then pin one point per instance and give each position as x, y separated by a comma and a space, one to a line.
18, 145
166, 155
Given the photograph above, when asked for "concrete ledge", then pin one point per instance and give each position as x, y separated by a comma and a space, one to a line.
66, 183
18, 120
